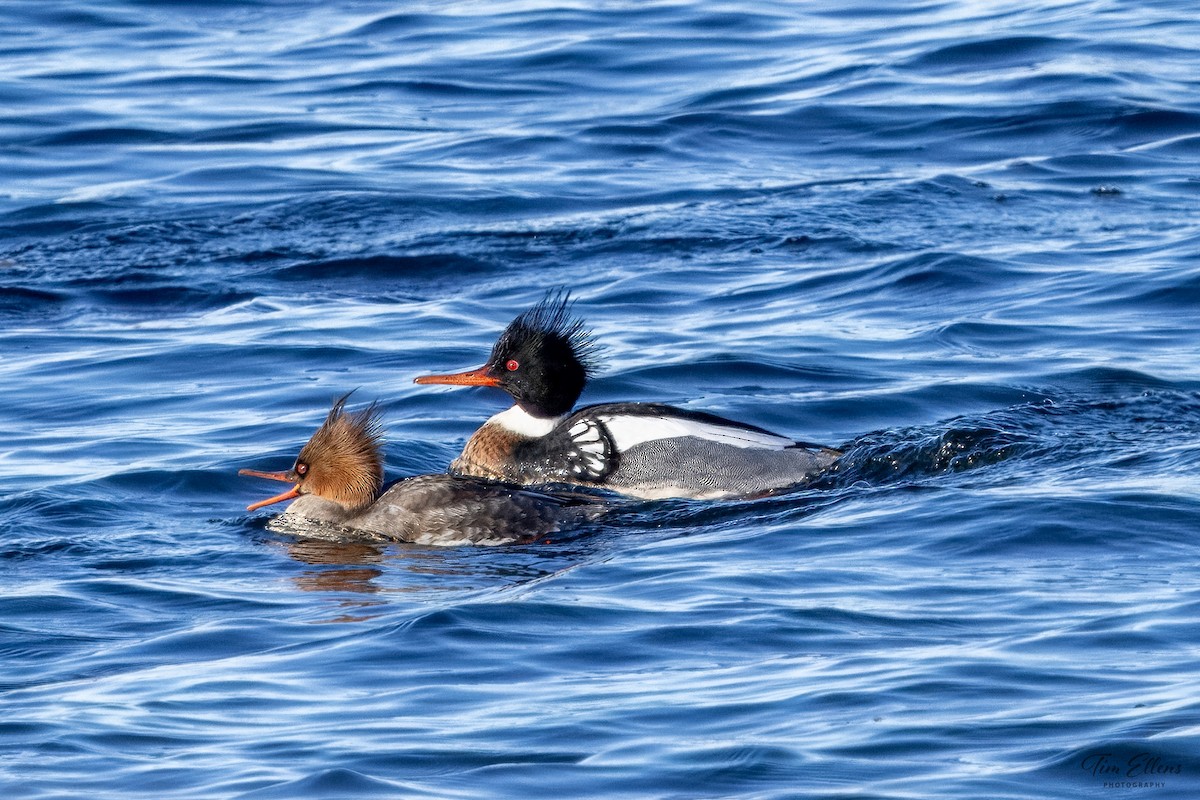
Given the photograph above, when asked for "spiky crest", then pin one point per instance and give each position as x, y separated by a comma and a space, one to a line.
343, 460
551, 323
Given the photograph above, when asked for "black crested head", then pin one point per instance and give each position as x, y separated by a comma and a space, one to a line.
545, 357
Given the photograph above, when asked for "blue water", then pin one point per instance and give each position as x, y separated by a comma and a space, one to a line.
960, 240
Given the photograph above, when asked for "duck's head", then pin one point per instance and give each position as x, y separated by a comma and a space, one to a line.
342, 462
543, 359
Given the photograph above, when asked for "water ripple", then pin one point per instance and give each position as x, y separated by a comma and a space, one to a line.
955, 240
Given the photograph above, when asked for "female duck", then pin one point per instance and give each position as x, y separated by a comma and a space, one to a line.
338, 482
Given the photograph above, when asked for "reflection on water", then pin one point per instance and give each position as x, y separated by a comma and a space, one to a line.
341, 565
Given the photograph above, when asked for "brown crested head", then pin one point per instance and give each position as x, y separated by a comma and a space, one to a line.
342, 462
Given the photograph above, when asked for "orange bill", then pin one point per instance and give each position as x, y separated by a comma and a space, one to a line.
474, 377
286, 477
275, 476
279, 498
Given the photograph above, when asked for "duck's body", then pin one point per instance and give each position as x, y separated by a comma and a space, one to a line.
644, 450
338, 486
442, 510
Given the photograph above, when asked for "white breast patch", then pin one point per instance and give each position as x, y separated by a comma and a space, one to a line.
629, 431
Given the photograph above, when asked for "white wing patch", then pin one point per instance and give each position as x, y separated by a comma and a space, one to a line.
590, 456
628, 430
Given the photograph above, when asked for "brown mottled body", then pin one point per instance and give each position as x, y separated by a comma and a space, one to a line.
489, 454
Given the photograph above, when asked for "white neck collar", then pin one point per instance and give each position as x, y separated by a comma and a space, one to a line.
522, 423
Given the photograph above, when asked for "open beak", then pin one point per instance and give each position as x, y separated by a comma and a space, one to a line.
474, 377
286, 477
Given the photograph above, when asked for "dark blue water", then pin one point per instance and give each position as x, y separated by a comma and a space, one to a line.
961, 240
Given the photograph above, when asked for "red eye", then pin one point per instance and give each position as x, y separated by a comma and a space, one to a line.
512, 365
302, 469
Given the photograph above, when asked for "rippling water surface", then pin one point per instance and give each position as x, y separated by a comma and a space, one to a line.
959, 240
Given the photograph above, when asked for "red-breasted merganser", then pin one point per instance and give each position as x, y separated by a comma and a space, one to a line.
338, 479
543, 360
